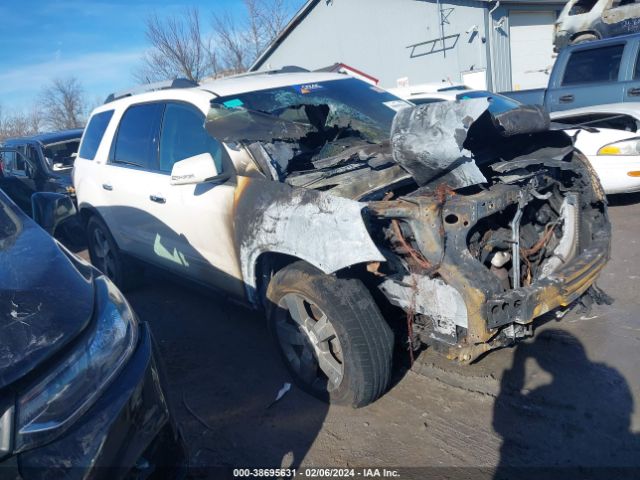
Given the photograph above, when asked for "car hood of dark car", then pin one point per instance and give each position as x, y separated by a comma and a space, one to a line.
46, 298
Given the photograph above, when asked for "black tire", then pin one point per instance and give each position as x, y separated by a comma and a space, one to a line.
122, 271
583, 38
361, 342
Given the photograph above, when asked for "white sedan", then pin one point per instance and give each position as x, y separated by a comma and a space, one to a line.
611, 140
613, 146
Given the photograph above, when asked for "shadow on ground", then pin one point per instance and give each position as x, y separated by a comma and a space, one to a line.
225, 374
557, 423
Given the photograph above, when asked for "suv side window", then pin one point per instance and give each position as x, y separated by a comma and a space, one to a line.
8, 161
622, 3
183, 136
19, 166
34, 156
93, 134
636, 72
136, 142
15, 163
593, 65
582, 6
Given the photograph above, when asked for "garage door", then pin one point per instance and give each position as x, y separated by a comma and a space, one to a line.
531, 48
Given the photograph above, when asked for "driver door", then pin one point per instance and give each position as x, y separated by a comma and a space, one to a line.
199, 217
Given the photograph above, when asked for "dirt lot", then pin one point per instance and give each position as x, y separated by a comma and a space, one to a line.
565, 398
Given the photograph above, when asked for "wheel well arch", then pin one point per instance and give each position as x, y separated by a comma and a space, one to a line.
267, 265
86, 212
585, 32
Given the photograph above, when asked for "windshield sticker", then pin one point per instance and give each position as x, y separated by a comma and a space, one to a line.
235, 103
308, 88
396, 105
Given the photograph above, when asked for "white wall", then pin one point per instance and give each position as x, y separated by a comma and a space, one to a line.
376, 36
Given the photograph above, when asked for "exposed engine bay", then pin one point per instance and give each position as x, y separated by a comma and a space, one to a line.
485, 217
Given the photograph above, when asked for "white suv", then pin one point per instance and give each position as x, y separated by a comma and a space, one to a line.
286, 190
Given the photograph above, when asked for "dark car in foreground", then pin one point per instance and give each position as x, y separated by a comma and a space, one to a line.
80, 389
38, 163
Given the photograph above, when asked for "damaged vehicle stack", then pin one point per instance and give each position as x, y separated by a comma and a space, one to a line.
349, 215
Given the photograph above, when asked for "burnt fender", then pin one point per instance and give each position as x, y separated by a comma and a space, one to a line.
326, 231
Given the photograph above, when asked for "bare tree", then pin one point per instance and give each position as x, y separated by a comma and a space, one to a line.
18, 124
240, 42
63, 104
232, 44
271, 18
15, 125
178, 49
36, 119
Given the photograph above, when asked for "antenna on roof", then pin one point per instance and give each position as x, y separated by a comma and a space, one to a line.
152, 87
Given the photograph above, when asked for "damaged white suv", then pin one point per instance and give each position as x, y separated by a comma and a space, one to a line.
350, 216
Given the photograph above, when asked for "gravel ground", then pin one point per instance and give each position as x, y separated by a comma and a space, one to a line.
565, 398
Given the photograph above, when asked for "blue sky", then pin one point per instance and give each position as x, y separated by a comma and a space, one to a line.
99, 42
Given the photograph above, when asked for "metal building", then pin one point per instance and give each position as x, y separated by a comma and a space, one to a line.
498, 44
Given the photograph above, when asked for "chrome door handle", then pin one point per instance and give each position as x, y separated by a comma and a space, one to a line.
567, 99
157, 199
634, 92
107, 186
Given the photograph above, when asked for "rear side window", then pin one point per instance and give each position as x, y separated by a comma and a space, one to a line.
93, 134
8, 160
582, 6
183, 136
622, 3
15, 162
136, 143
593, 65
636, 73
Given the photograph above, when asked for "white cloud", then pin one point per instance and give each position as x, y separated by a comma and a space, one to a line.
99, 73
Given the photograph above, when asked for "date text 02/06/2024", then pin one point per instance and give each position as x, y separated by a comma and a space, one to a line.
315, 473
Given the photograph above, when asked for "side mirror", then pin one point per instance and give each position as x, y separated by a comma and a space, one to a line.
51, 209
192, 170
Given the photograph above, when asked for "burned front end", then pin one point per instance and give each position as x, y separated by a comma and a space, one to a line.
473, 217
509, 222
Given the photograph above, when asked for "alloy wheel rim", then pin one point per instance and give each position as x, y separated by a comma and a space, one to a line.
309, 342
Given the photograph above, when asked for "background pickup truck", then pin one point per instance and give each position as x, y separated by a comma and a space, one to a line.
593, 73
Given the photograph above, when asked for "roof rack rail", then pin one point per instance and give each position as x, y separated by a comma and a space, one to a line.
152, 87
289, 69
285, 69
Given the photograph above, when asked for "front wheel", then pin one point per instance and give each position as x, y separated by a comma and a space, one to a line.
330, 334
